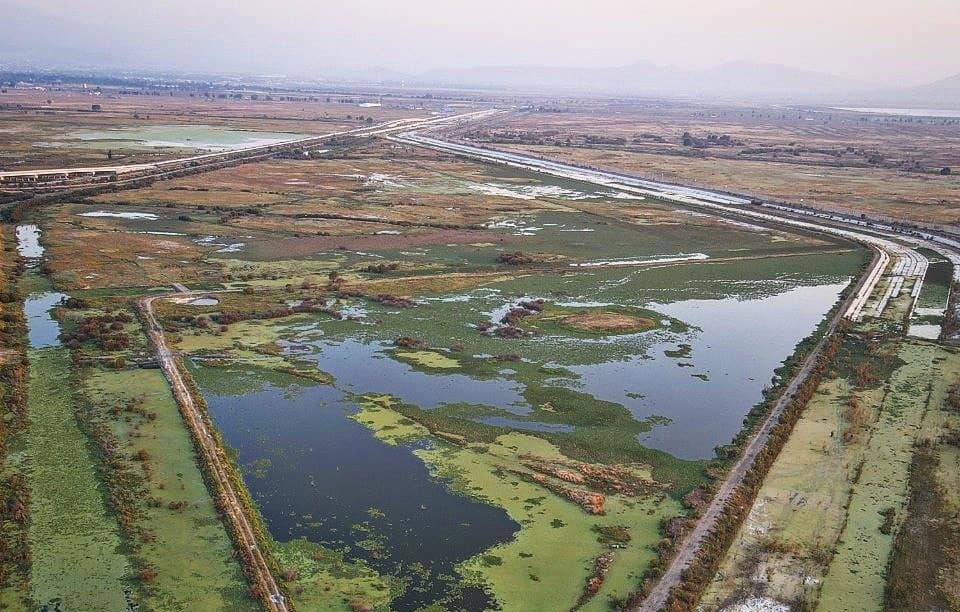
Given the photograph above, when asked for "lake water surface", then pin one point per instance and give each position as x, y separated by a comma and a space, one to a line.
209, 138
315, 473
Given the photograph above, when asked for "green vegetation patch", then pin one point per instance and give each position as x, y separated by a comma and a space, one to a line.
429, 359
74, 542
547, 563
186, 544
800, 509
857, 574
936, 285
321, 579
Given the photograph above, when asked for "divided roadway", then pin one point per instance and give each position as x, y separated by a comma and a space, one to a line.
53, 179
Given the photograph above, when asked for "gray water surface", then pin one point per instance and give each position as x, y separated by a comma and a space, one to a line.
43, 330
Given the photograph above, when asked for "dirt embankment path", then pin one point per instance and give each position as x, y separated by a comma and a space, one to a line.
214, 458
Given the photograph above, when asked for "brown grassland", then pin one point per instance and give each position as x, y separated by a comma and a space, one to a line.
824, 157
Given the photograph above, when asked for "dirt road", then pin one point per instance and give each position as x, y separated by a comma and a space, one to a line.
246, 540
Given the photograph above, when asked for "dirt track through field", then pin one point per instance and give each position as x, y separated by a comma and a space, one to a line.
216, 463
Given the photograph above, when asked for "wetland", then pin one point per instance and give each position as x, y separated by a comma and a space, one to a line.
438, 395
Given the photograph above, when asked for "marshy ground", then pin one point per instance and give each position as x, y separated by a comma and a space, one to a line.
445, 385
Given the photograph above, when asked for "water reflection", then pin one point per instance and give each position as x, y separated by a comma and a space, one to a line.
43, 330
739, 345
28, 241
365, 368
320, 475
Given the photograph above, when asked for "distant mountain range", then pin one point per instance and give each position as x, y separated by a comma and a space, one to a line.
734, 79
34, 38
731, 81
944, 93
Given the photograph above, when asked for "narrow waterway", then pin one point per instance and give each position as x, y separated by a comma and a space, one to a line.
42, 329
28, 241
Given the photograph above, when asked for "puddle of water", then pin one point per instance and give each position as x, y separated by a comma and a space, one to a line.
204, 301
120, 215
28, 241
545, 190
758, 604
642, 261
927, 331
42, 329
378, 179
325, 474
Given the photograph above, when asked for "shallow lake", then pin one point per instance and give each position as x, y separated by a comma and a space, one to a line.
205, 137
731, 357
318, 474
315, 473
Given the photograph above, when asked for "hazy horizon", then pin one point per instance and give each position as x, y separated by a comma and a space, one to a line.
855, 39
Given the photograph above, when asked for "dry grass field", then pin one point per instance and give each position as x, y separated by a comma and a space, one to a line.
831, 159
42, 127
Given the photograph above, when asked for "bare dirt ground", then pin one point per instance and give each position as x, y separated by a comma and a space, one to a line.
606, 322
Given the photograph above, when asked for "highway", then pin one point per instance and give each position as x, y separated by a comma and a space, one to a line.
52, 179
893, 245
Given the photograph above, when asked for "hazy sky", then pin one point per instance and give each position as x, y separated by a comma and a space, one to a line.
886, 41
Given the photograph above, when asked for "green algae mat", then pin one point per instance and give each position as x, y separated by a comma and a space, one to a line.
190, 549
856, 577
75, 544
